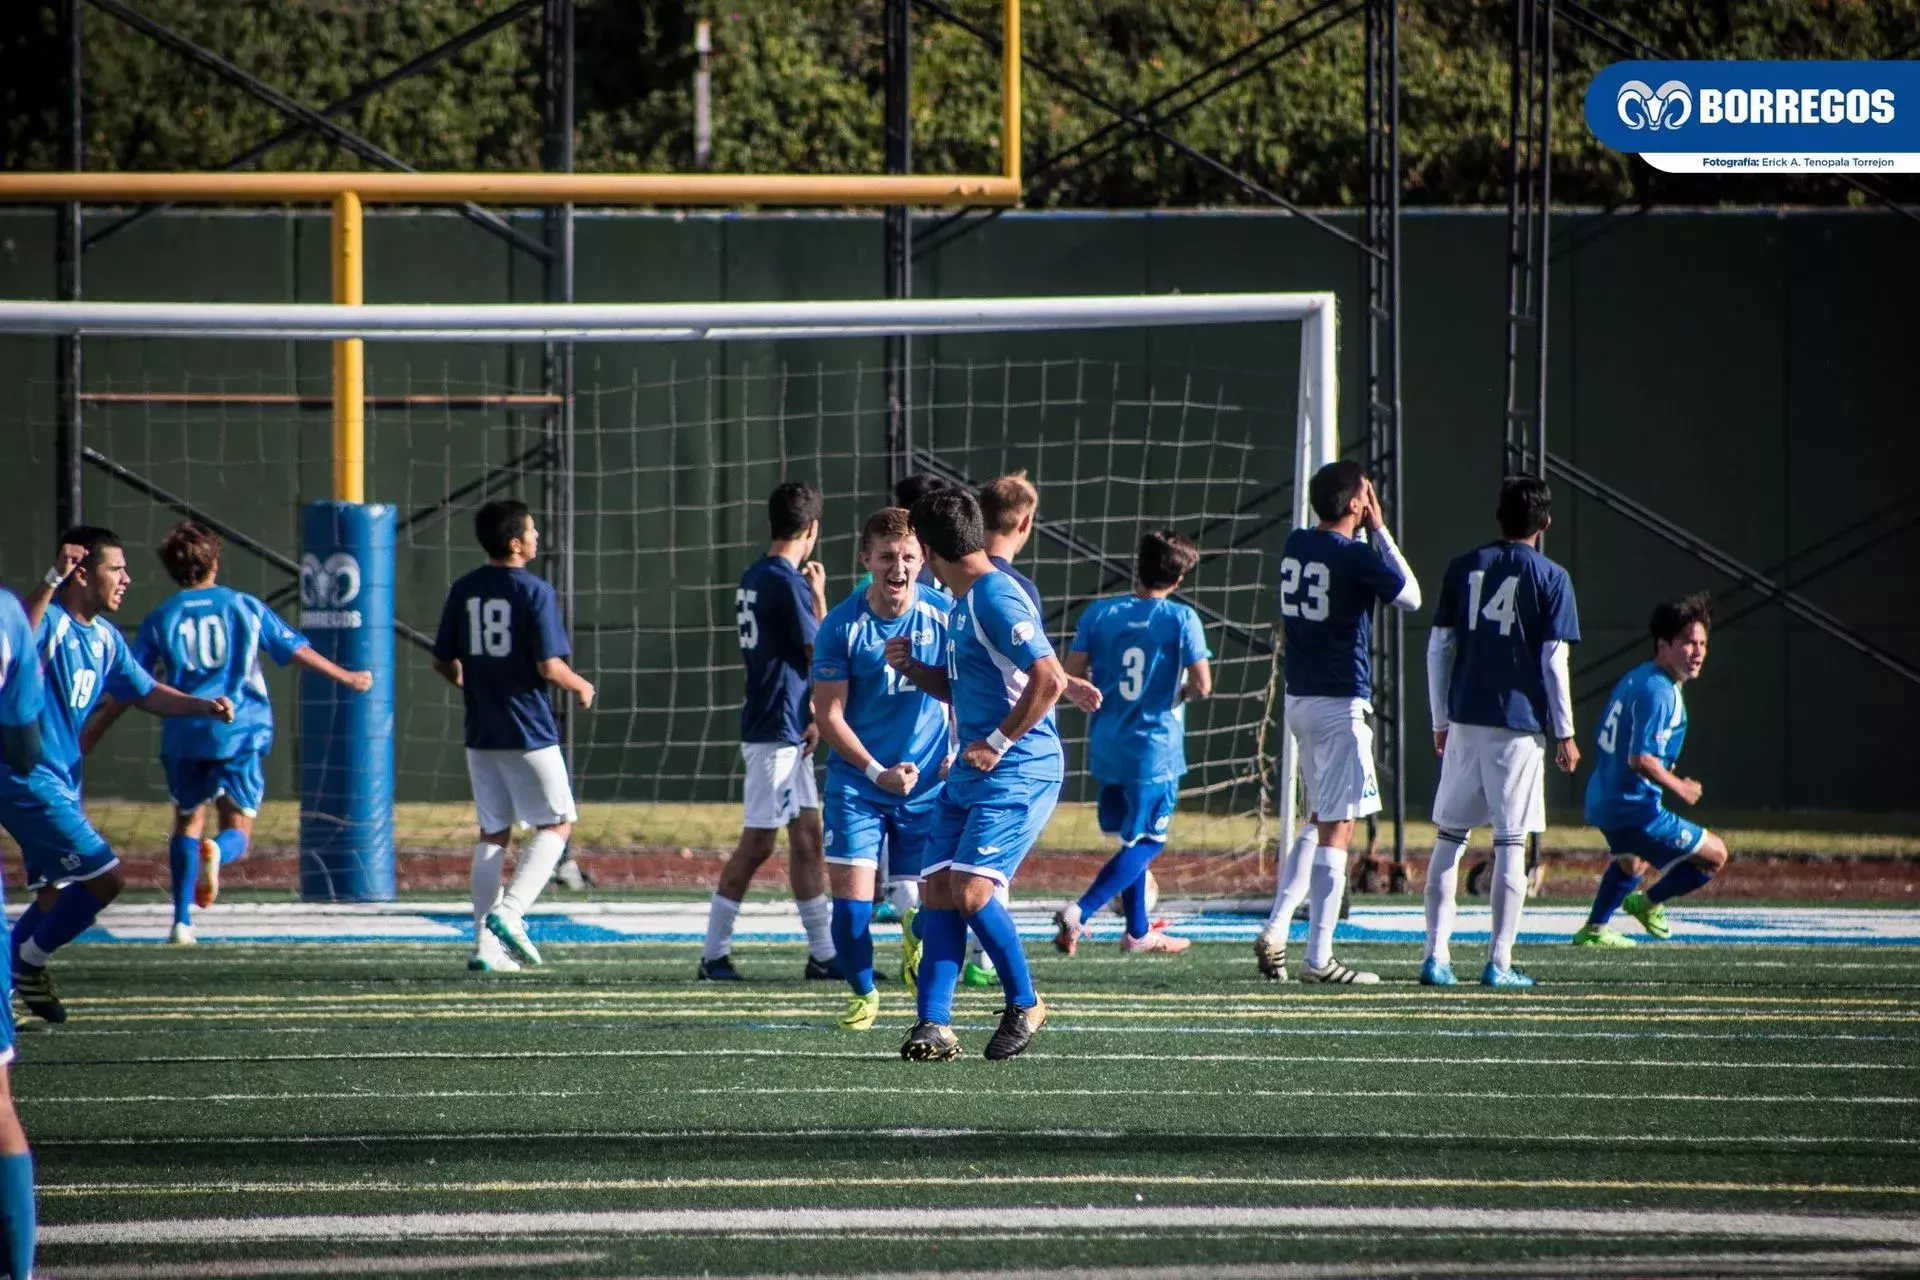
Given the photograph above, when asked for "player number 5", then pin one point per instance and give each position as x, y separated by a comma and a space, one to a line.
1314, 575
1610, 731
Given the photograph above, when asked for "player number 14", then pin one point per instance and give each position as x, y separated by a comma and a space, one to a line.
1499, 610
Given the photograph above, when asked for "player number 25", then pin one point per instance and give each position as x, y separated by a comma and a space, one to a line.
489, 628
1499, 610
1315, 577
743, 614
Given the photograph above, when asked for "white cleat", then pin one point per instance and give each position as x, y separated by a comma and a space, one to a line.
181, 935
490, 957
1336, 973
510, 927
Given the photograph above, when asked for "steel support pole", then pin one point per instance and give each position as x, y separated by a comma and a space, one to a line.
898, 234
70, 248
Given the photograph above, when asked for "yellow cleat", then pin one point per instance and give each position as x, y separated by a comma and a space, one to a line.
909, 952
861, 1011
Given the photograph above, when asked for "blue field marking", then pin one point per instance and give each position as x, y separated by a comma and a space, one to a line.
773, 921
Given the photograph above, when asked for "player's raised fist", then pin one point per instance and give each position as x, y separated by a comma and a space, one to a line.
221, 709
900, 779
1688, 790
68, 560
360, 681
900, 653
981, 756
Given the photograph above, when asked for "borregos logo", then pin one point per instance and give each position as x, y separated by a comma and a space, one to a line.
1642, 107
1796, 106
326, 587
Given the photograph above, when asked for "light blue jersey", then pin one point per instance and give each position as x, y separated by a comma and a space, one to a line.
83, 661
22, 687
995, 637
1139, 650
894, 720
207, 642
1645, 716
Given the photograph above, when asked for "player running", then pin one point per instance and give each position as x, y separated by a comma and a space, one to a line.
22, 701
1329, 585
501, 642
779, 606
208, 640
71, 870
1498, 687
1149, 658
1640, 737
1002, 678
887, 740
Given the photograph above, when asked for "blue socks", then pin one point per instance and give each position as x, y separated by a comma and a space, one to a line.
853, 942
1124, 869
1133, 901
1684, 878
73, 911
994, 926
1615, 885
183, 867
233, 845
943, 937
17, 1213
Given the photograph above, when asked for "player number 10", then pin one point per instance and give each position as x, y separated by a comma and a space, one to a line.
1499, 610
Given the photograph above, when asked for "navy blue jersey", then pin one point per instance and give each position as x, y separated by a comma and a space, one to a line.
500, 624
1645, 716
207, 642
1329, 585
1505, 602
1005, 566
1139, 650
82, 660
774, 610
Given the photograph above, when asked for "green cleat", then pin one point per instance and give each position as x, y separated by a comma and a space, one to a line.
1651, 915
977, 975
861, 1011
1598, 935
909, 952
510, 927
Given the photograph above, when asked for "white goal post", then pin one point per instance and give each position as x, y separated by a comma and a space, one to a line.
1315, 427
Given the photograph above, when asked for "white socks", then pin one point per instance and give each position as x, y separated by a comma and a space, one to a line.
1296, 871
1329, 882
1509, 896
534, 869
1443, 886
903, 895
721, 913
816, 916
489, 860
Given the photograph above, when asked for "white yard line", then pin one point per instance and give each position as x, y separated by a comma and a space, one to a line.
405, 1264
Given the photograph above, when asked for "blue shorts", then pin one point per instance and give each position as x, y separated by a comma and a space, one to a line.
1137, 811
856, 823
985, 826
6, 1014
1668, 839
57, 843
193, 782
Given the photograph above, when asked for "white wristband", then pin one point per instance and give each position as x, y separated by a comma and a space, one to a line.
999, 741
54, 577
874, 771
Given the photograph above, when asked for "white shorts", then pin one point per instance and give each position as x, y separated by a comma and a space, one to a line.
780, 783
1336, 756
520, 786
1493, 777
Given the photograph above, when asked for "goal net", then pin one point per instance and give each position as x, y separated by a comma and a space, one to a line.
1200, 413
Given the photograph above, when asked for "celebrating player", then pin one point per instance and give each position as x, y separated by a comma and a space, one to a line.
22, 700
1497, 685
501, 643
71, 870
779, 606
887, 741
1329, 584
1640, 737
1002, 679
208, 639
1149, 657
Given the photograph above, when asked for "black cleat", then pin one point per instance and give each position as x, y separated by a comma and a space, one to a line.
824, 970
35, 989
1271, 955
720, 970
1017, 1028
931, 1042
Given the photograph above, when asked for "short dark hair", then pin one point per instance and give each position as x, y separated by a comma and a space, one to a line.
189, 552
792, 508
888, 524
1006, 500
1334, 486
1671, 619
1164, 558
95, 538
1525, 505
913, 488
498, 523
948, 523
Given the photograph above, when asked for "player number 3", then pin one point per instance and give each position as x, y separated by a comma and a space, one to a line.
1314, 608
489, 628
1133, 665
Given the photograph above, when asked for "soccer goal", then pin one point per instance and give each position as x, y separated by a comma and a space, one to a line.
1204, 413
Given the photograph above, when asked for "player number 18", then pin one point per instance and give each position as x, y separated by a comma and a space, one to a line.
489, 628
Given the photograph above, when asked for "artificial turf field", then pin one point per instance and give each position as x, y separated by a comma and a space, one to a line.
372, 1109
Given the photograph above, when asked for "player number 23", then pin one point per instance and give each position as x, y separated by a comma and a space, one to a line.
489, 628
1314, 577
